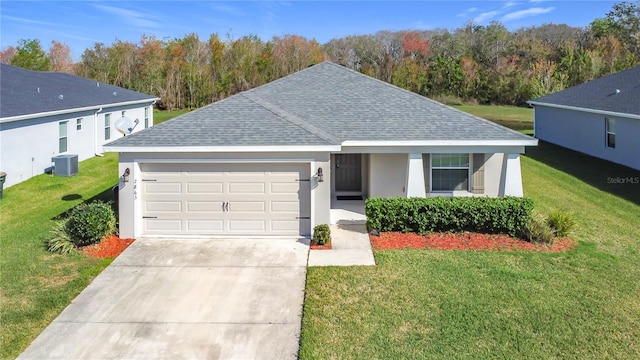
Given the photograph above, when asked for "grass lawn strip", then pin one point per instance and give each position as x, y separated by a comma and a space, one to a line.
435, 304
35, 285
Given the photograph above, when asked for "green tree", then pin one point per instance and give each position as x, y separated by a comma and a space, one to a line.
29, 55
625, 18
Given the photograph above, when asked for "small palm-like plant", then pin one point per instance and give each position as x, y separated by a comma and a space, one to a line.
59, 240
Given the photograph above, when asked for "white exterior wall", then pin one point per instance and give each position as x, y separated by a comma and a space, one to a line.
130, 204
27, 146
390, 175
585, 132
387, 175
493, 174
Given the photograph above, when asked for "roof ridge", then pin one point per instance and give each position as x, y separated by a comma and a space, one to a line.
291, 118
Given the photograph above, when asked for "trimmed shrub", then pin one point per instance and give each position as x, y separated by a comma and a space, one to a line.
89, 223
322, 234
507, 215
59, 240
539, 231
561, 222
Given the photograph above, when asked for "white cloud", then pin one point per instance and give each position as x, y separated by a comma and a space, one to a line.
485, 16
132, 17
509, 4
28, 21
228, 9
527, 13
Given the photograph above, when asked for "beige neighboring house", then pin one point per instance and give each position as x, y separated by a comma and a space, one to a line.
280, 158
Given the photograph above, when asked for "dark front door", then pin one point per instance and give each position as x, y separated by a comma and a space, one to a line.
348, 172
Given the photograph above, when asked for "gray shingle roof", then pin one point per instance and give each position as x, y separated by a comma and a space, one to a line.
601, 94
24, 92
323, 104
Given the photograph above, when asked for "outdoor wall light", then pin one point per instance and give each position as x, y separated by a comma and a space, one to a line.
125, 175
320, 178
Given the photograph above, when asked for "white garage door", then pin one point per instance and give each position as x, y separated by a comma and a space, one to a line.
226, 199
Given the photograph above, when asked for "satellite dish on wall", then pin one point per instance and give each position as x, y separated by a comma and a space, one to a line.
125, 126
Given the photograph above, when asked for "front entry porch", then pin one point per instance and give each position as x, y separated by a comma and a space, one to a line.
347, 212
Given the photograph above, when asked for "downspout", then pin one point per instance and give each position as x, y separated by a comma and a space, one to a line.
95, 135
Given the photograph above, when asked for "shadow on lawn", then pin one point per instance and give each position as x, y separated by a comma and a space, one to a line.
615, 179
107, 196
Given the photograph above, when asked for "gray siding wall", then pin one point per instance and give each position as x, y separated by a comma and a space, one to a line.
585, 132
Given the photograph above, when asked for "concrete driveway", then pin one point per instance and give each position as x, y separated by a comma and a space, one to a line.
186, 299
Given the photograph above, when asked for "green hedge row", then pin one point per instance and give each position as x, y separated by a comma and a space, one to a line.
507, 215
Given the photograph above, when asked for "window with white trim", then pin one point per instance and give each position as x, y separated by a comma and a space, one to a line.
610, 125
449, 172
79, 124
146, 117
63, 140
107, 126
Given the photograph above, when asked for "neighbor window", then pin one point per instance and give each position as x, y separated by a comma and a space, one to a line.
107, 126
79, 124
449, 172
62, 137
146, 117
611, 132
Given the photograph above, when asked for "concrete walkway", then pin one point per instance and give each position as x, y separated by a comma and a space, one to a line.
350, 246
186, 299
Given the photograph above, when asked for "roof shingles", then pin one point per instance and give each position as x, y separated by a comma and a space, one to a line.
323, 104
25, 92
619, 92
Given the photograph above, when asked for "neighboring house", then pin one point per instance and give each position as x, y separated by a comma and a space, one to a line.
45, 114
600, 118
274, 160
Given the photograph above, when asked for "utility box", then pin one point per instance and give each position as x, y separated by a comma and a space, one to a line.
65, 165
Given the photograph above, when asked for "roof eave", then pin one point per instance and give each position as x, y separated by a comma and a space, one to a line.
442, 143
74, 110
222, 149
577, 108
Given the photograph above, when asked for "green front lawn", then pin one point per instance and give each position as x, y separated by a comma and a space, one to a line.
36, 285
433, 304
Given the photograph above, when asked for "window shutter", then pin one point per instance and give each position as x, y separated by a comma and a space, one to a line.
426, 166
477, 186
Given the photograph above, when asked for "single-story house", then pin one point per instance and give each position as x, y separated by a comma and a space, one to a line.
275, 160
47, 114
600, 118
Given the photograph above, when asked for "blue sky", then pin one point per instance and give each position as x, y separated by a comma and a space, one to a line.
81, 24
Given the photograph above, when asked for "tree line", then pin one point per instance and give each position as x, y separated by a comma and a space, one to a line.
484, 64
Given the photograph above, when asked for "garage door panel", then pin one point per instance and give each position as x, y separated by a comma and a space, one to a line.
285, 188
162, 187
285, 206
214, 207
249, 226
285, 225
217, 199
206, 226
163, 206
247, 206
163, 225
205, 187
246, 188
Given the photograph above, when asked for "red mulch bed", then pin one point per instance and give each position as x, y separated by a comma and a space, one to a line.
315, 246
464, 241
109, 247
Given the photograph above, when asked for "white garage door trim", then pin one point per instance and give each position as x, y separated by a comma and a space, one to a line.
286, 168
